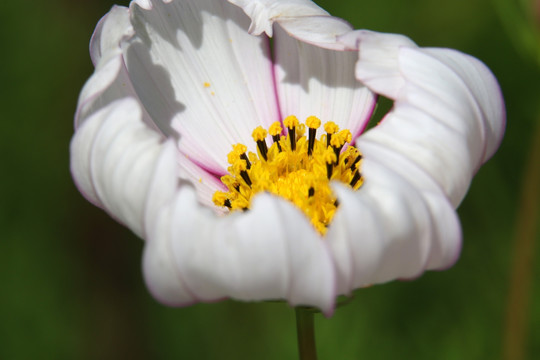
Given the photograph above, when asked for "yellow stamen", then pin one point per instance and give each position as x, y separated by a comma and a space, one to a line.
313, 122
300, 173
331, 127
338, 140
275, 129
259, 133
290, 122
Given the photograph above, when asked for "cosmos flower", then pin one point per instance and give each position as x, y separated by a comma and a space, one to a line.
244, 163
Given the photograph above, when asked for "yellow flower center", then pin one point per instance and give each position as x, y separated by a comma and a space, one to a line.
296, 167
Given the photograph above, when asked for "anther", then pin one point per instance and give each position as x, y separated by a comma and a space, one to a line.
313, 124
339, 140
337, 144
244, 157
275, 130
221, 199
330, 128
355, 179
246, 178
329, 159
291, 122
355, 162
239, 151
240, 167
259, 135
346, 134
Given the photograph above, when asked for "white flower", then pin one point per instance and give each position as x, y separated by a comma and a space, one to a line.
178, 82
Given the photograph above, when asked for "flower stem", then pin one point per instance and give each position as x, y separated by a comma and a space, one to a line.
306, 333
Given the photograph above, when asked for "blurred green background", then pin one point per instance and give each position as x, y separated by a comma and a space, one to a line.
70, 277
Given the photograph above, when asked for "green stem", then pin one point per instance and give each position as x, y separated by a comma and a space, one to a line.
306, 333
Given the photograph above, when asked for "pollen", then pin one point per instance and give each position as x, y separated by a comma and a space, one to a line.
295, 167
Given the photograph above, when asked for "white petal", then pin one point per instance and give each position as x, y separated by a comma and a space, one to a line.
378, 66
163, 184
198, 71
439, 150
448, 114
109, 32
446, 230
389, 229
315, 81
159, 267
302, 19
110, 81
486, 91
269, 252
114, 156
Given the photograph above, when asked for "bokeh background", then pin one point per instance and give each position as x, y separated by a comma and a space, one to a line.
70, 277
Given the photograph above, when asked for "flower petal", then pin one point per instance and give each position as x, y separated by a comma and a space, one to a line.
109, 32
201, 75
315, 81
204, 183
378, 66
479, 81
269, 252
114, 155
301, 19
396, 226
445, 237
448, 113
110, 81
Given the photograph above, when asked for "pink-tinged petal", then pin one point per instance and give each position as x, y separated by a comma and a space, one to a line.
204, 183
315, 81
199, 74
113, 160
269, 252
301, 19
446, 119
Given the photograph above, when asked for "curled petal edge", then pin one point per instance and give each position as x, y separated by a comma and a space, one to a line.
430, 81
301, 19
